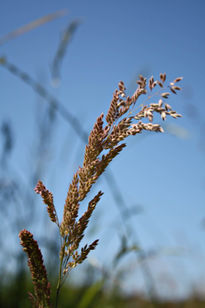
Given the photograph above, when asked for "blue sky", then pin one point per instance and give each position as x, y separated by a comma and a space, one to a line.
117, 40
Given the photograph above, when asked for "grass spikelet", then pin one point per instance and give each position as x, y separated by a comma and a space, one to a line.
71, 207
41, 296
113, 110
48, 200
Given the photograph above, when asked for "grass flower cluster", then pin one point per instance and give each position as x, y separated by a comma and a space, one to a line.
106, 140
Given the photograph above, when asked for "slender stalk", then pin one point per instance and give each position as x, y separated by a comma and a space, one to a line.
60, 274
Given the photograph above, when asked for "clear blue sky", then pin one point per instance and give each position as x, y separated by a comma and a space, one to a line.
115, 41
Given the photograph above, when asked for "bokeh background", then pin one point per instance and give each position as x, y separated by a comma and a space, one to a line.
150, 221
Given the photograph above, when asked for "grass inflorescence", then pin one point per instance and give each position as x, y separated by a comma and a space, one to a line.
105, 142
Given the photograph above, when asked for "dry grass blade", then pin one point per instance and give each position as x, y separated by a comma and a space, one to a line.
32, 25
66, 39
49, 98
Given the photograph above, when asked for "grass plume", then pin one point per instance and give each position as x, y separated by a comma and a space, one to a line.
105, 142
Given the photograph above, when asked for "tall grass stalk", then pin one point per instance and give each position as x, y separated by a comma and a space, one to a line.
124, 118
